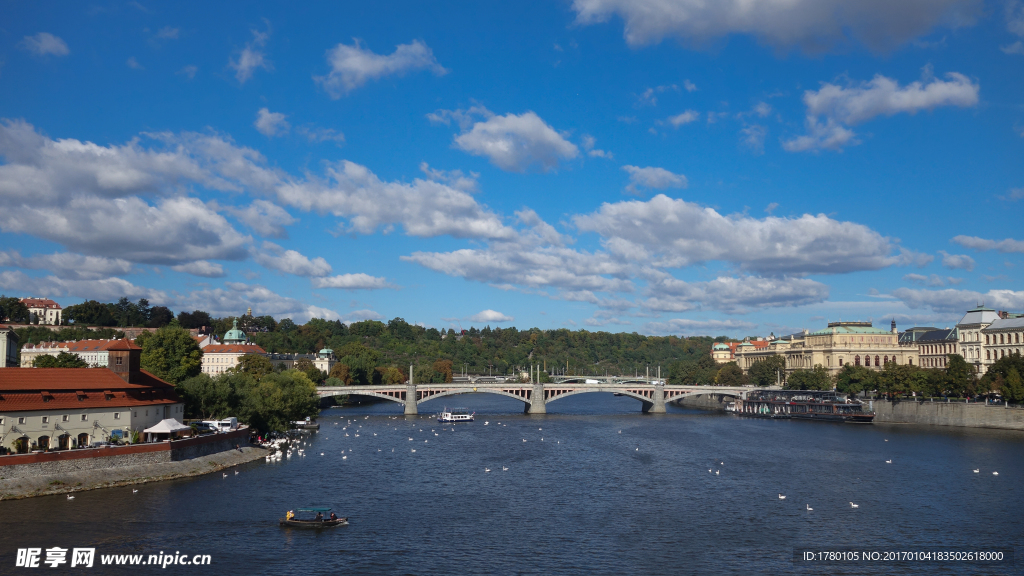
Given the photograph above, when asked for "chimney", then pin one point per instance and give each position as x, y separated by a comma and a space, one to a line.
124, 358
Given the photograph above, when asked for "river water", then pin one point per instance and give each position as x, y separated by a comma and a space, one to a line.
593, 487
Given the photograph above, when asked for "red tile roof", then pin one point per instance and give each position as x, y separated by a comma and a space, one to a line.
233, 348
29, 379
76, 346
124, 344
39, 303
71, 388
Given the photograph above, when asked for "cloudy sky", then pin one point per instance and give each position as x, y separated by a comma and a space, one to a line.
661, 166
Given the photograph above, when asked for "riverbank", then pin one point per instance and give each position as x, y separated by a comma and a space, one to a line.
957, 414
96, 478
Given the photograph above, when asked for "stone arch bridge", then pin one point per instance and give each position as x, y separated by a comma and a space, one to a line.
652, 394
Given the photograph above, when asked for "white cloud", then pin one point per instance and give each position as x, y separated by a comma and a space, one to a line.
103, 289
236, 297
684, 118
454, 178
752, 136
490, 316
290, 261
953, 301
588, 142
516, 142
690, 326
271, 123
45, 43
690, 86
1014, 48
167, 33
813, 25
933, 280
762, 109
265, 218
201, 268
251, 57
1006, 246
69, 265
732, 295
316, 134
842, 106
649, 96
134, 64
189, 71
358, 281
352, 66
653, 177
680, 233
957, 261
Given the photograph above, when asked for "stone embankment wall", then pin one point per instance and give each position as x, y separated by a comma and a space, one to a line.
70, 461
909, 412
949, 414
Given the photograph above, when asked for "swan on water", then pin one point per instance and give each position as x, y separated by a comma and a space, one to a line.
976, 470
995, 473
70, 497
487, 469
135, 490
809, 507
852, 505
781, 497
888, 461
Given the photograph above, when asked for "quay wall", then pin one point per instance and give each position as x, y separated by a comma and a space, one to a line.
114, 457
909, 412
949, 414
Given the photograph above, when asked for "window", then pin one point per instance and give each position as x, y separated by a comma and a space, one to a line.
46, 419
65, 418
986, 339
135, 414
1, 421
118, 360
876, 361
117, 415
1001, 341
21, 420
84, 416
988, 354
856, 361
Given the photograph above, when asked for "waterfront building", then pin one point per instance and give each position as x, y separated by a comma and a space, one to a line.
972, 340
43, 310
839, 344
66, 408
93, 352
935, 346
8, 347
323, 360
725, 352
1003, 337
219, 358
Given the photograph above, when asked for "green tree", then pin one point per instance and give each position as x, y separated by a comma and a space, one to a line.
255, 365
89, 313
1013, 388
13, 310
389, 375
170, 353
962, 379
159, 316
62, 360
340, 372
767, 372
816, 378
277, 399
694, 372
730, 374
209, 398
997, 374
306, 366
853, 380
194, 319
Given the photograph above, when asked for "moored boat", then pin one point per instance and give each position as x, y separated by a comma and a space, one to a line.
307, 424
804, 405
317, 522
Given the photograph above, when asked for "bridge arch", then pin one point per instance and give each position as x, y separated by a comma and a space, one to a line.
623, 392
369, 394
455, 391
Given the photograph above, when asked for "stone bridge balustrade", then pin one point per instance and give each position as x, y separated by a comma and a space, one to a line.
652, 395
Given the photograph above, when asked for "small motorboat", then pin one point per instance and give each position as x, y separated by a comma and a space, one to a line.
320, 520
455, 415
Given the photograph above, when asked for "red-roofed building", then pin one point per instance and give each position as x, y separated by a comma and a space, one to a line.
64, 408
46, 311
94, 352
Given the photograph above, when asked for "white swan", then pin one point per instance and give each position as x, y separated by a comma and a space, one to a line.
135, 490
487, 469
888, 461
781, 497
808, 506
413, 449
976, 470
995, 473
716, 472
70, 497
852, 505
224, 475
344, 457
504, 468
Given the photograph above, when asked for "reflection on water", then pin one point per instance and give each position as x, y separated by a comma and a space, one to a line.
595, 488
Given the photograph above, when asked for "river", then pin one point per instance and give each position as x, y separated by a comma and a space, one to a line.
593, 487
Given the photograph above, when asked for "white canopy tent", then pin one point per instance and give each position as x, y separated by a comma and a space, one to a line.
169, 427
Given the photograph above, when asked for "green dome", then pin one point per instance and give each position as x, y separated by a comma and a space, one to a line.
235, 336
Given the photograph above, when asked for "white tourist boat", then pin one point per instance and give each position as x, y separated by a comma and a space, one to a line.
455, 415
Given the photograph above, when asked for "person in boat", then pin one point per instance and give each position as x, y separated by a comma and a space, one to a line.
334, 516
289, 515
319, 516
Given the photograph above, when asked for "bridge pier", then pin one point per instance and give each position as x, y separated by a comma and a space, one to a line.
410, 401
657, 405
536, 405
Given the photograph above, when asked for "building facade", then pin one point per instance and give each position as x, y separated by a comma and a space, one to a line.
8, 347
219, 358
67, 408
93, 352
43, 310
841, 343
935, 346
1003, 337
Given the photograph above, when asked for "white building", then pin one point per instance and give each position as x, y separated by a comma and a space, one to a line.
8, 347
93, 352
66, 408
46, 311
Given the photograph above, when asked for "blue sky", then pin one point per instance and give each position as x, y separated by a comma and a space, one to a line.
665, 167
